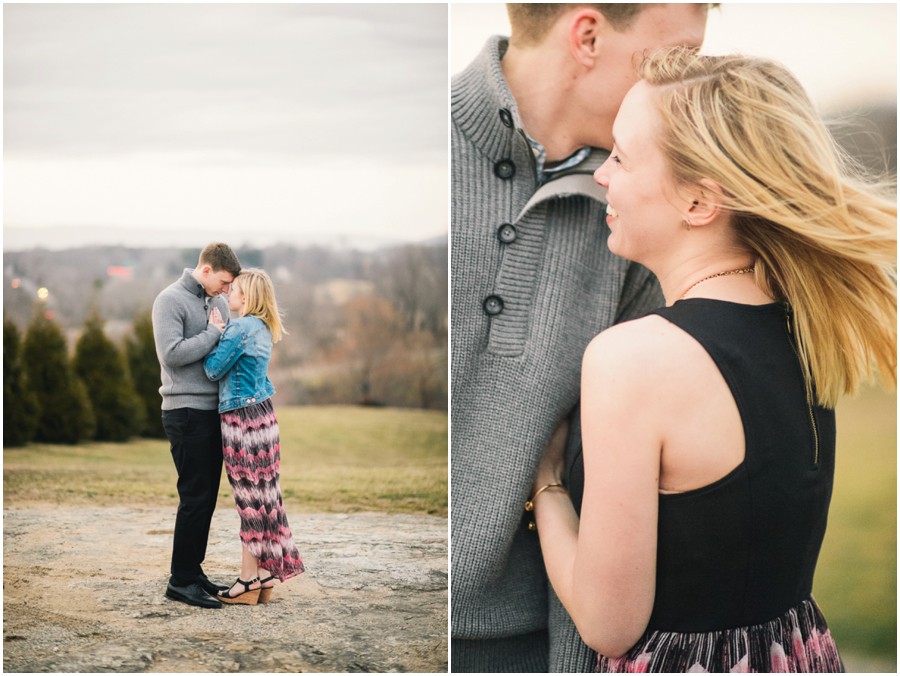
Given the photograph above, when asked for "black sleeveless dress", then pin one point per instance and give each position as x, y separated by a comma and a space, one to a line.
735, 559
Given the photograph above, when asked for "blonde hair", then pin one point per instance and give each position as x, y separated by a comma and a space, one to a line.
825, 239
259, 300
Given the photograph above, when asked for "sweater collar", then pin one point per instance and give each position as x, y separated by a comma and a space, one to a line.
485, 111
191, 284
482, 106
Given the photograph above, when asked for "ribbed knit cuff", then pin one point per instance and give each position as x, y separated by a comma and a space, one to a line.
568, 653
527, 653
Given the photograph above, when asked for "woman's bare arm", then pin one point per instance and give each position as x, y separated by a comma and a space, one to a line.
603, 568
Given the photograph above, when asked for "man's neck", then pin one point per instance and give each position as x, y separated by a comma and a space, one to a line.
543, 84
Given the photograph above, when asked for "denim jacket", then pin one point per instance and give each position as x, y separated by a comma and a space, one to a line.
240, 363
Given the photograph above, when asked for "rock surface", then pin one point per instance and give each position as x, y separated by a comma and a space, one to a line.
83, 591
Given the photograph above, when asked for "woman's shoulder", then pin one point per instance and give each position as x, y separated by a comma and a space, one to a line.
637, 337
639, 349
237, 326
249, 325
247, 322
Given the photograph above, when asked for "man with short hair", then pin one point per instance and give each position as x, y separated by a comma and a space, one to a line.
533, 283
188, 319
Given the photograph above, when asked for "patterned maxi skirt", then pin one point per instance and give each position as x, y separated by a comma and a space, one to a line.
798, 641
252, 449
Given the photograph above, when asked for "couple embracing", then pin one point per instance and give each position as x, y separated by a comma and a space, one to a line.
664, 277
217, 405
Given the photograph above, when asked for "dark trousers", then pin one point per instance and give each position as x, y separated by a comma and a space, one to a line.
196, 443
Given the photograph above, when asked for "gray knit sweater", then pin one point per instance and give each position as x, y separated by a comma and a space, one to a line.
532, 282
183, 338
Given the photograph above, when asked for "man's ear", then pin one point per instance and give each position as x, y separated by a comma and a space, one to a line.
585, 28
706, 201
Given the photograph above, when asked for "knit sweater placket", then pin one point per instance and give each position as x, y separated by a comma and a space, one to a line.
532, 283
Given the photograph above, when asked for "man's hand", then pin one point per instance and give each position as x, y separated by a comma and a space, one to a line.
215, 318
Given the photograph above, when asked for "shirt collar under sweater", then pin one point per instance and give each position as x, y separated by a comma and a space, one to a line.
545, 172
485, 111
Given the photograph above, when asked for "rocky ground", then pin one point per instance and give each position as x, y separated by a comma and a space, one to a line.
83, 591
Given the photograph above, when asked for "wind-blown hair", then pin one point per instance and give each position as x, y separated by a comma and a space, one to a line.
259, 300
824, 238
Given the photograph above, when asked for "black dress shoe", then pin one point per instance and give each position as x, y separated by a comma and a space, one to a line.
192, 594
210, 587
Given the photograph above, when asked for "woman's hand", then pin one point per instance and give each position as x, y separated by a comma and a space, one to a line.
215, 318
550, 469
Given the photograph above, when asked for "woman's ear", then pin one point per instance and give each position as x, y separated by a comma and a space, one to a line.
705, 203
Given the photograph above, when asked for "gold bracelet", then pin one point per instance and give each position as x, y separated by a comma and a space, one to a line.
529, 504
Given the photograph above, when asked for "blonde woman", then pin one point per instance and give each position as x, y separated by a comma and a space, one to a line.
250, 438
708, 426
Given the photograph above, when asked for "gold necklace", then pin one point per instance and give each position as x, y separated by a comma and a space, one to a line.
739, 271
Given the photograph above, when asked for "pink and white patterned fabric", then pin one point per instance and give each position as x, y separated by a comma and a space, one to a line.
797, 642
251, 445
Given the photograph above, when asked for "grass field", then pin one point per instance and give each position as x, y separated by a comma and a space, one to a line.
333, 459
344, 459
856, 580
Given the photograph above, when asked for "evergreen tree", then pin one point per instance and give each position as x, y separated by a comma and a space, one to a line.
102, 368
145, 368
66, 415
20, 405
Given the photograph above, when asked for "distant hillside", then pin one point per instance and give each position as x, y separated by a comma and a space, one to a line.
77, 235
124, 280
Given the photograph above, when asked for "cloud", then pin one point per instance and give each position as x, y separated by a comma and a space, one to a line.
252, 80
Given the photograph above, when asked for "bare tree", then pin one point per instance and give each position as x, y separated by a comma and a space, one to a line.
415, 279
372, 329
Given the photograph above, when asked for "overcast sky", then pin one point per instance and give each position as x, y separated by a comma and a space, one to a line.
844, 54
172, 124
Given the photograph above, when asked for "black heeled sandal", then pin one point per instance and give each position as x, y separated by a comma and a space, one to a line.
248, 597
265, 593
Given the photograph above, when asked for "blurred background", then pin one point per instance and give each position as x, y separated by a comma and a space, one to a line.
846, 57
311, 138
